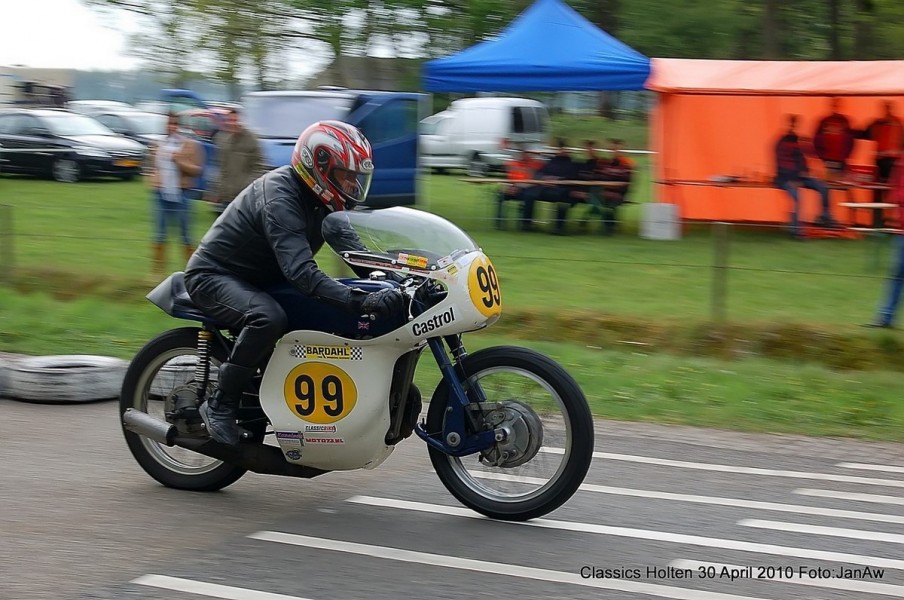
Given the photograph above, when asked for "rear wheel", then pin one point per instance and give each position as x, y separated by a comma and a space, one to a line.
549, 443
162, 371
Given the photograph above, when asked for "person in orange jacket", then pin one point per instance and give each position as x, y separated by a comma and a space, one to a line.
522, 167
888, 133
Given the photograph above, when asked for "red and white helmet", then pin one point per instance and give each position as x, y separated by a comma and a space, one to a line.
336, 161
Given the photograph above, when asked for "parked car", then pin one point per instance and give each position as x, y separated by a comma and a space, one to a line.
89, 107
65, 145
143, 127
388, 119
475, 133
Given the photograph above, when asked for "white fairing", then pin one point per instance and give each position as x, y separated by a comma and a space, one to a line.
327, 397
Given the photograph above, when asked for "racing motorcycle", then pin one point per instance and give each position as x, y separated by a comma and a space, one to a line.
507, 429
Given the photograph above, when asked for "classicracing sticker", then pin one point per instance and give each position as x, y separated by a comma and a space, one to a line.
320, 429
319, 393
328, 352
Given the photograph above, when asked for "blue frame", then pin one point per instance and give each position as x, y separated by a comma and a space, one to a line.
456, 417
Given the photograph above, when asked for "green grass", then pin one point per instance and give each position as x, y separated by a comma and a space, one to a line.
630, 318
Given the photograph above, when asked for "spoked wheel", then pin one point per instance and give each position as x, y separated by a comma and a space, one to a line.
549, 436
161, 374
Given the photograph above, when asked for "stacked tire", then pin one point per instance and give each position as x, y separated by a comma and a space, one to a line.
63, 379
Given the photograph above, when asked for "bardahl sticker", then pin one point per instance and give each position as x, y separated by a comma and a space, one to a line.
328, 352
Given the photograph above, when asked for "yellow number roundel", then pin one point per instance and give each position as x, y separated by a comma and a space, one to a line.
483, 286
320, 393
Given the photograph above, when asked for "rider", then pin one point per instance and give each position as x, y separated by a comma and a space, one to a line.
270, 234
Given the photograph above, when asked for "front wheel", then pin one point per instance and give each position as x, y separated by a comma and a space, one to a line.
549, 443
162, 371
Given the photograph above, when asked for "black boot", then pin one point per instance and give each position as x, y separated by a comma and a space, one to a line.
219, 413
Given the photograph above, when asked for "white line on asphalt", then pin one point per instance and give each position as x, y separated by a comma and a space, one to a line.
852, 585
854, 534
643, 534
482, 566
866, 467
735, 469
754, 504
213, 590
879, 499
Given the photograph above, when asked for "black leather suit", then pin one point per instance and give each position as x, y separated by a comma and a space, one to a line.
269, 234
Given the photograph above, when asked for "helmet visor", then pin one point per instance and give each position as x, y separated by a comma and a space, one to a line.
353, 185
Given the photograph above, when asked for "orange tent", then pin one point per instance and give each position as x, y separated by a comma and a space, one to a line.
723, 118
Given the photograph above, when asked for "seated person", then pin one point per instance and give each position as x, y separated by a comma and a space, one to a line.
520, 168
792, 174
558, 168
617, 167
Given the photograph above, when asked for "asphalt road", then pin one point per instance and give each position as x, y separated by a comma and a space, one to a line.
80, 520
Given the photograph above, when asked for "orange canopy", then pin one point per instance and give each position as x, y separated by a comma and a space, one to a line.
777, 78
723, 117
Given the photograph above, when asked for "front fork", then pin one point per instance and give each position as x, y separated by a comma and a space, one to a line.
463, 431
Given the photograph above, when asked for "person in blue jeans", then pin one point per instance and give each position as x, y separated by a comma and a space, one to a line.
885, 316
792, 174
175, 163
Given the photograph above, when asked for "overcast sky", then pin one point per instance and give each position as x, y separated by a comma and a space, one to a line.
63, 34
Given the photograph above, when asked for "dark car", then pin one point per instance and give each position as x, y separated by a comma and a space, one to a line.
65, 145
143, 127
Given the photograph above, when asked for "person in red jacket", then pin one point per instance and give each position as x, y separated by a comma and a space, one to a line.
888, 133
834, 141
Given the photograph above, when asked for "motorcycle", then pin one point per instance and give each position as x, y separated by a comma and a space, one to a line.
508, 430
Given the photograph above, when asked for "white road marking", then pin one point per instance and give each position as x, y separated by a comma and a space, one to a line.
852, 585
482, 566
867, 467
681, 464
643, 534
879, 499
854, 534
213, 590
715, 500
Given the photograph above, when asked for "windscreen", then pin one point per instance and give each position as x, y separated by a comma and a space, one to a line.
287, 116
72, 124
396, 230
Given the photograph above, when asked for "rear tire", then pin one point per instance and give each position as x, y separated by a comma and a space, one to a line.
578, 440
136, 388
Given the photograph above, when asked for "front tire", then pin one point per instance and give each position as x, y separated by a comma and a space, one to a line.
164, 365
66, 170
506, 374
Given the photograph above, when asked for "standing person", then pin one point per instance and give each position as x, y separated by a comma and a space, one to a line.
888, 133
269, 235
239, 159
833, 142
175, 162
792, 174
885, 316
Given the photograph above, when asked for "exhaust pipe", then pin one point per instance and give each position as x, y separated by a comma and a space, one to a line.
144, 424
256, 457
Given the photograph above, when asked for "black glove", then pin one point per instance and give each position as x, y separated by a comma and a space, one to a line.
387, 302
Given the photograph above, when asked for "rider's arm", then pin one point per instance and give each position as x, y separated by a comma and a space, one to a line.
286, 230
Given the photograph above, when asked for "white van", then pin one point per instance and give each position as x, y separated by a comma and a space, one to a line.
472, 133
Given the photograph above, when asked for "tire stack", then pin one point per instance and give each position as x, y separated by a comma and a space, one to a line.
64, 379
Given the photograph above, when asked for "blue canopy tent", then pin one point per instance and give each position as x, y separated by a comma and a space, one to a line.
548, 47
